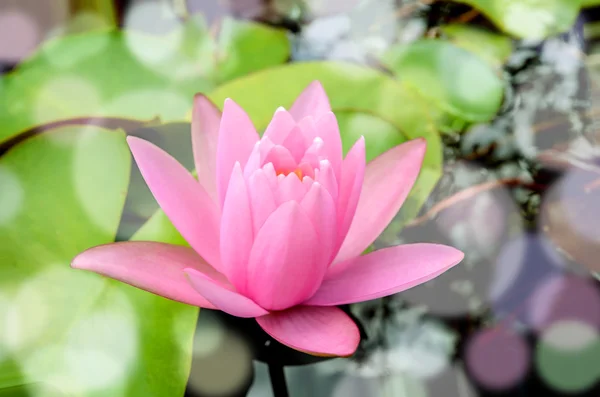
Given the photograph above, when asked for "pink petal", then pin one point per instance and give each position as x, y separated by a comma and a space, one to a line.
181, 197
309, 128
254, 161
353, 170
323, 331
258, 156
326, 177
329, 131
280, 126
283, 268
237, 231
384, 272
262, 199
153, 267
224, 299
282, 160
271, 175
388, 180
295, 143
290, 188
237, 137
206, 118
314, 153
307, 170
320, 207
312, 101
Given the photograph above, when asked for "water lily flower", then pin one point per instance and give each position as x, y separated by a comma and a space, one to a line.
276, 225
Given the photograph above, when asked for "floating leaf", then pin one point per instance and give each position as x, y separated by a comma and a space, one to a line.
589, 3
63, 191
531, 19
131, 74
448, 77
492, 47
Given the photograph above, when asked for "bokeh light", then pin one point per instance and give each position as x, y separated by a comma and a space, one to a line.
521, 265
24, 33
390, 385
11, 196
97, 353
61, 95
564, 297
103, 346
221, 361
570, 217
154, 18
498, 358
568, 356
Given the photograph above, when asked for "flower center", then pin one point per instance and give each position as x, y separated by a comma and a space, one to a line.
297, 171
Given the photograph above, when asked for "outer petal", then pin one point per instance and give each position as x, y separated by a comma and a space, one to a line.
206, 118
280, 126
237, 137
326, 177
223, 298
329, 131
237, 232
384, 272
154, 267
181, 197
320, 208
262, 199
388, 180
283, 268
290, 188
312, 101
325, 331
353, 170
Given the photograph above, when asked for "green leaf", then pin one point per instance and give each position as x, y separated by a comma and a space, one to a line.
72, 330
589, 3
448, 77
531, 19
492, 47
130, 74
94, 12
240, 44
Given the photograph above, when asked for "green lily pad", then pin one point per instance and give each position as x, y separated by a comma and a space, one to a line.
589, 3
71, 330
130, 74
492, 47
531, 19
456, 81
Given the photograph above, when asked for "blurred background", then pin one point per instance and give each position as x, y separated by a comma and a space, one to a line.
504, 91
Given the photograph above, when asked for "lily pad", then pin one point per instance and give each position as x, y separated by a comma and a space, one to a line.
63, 192
456, 81
492, 47
131, 74
531, 19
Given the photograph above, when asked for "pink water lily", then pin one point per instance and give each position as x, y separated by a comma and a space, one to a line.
276, 225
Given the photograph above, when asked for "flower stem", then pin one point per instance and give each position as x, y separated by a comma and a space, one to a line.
278, 383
